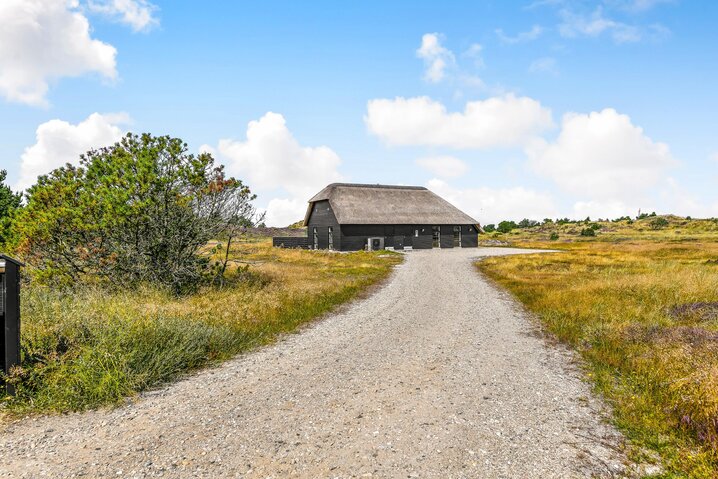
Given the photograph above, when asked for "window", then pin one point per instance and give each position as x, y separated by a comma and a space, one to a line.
457, 236
316, 238
416, 233
331, 238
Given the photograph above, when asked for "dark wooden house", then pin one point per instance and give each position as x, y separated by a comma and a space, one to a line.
348, 217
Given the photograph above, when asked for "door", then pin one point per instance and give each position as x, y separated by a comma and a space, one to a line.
330, 240
457, 236
398, 242
435, 237
315, 241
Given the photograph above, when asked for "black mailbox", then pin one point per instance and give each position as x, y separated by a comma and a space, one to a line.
9, 314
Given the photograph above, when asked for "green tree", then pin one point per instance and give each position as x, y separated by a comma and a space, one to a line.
9, 203
506, 226
142, 210
489, 228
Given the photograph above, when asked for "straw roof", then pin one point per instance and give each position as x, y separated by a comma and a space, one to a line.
386, 204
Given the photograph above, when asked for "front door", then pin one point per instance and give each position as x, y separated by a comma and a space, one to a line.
398, 242
457, 236
435, 237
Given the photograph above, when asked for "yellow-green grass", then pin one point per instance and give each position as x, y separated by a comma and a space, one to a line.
642, 308
91, 348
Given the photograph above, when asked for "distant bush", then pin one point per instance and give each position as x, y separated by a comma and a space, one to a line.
490, 228
9, 203
595, 226
506, 226
658, 223
141, 210
527, 223
554, 236
588, 232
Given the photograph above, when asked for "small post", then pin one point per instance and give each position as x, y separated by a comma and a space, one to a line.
10, 314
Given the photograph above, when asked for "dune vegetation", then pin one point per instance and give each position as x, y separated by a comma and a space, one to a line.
639, 300
96, 347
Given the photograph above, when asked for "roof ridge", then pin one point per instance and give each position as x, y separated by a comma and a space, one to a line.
377, 185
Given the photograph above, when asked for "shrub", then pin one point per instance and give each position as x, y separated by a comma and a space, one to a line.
489, 228
588, 232
527, 223
138, 211
506, 226
9, 202
554, 236
658, 223
595, 226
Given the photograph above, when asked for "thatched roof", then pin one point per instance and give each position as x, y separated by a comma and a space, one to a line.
386, 204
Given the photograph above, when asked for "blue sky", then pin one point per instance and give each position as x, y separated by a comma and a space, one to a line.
508, 109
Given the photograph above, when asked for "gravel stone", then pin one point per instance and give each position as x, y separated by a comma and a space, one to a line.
438, 373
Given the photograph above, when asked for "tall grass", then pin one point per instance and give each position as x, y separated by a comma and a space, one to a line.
92, 347
643, 312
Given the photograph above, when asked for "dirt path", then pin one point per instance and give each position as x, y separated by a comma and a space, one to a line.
437, 374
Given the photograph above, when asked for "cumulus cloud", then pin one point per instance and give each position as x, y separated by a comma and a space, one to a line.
602, 156
59, 142
491, 205
436, 57
521, 37
444, 166
271, 159
503, 121
43, 40
138, 14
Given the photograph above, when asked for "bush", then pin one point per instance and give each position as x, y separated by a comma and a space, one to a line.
595, 226
489, 228
9, 202
141, 210
588, 232
658, 223
554, 236
527, 223
506, 226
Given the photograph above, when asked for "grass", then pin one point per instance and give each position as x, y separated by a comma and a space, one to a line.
641, 306
93, 348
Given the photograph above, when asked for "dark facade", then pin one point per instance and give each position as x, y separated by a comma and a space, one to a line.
325, 232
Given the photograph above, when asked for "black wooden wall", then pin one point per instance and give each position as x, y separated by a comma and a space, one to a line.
322, 218
354, 237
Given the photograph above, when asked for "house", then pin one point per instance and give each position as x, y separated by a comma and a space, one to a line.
349, 217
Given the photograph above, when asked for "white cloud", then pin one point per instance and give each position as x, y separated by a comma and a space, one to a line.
684, 202
521, 37
436, 57
444, 166
602, 156
491, 205
138, 14
496, 122
637, 6
544, 65
601, 209
43, 40
59, 142
272, 159
595, 24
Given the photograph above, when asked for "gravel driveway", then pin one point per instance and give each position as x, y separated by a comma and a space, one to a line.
436, 374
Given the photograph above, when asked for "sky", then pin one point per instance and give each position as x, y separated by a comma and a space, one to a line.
508, 109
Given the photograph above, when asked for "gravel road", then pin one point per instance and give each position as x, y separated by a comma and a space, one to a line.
437, 374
